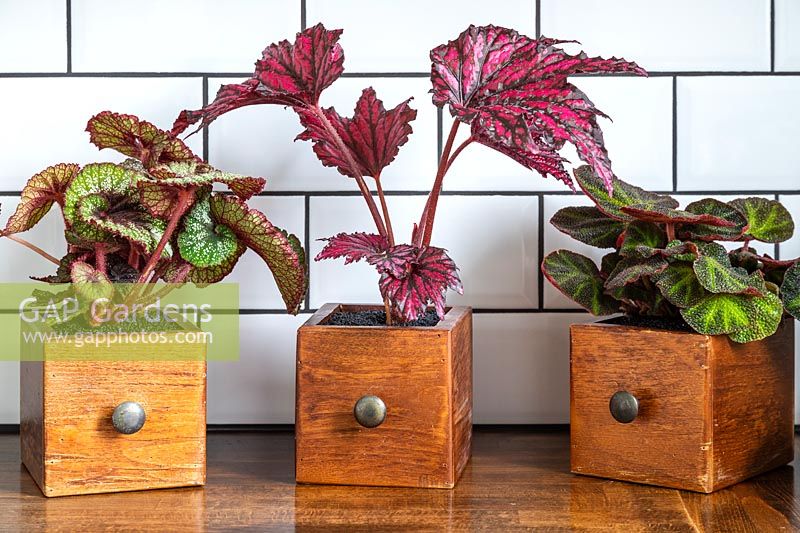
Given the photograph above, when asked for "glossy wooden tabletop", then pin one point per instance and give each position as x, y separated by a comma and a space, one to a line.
516, 480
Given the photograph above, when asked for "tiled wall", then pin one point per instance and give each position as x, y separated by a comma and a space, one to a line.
717, 116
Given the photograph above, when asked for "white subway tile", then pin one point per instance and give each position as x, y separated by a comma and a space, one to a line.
791, 248
737, 133
492, 239
521, 367
386, 36
787, 40
33, 36
47, 123
258, 140
259, 387
713, 35
19, 262
177, 36
639, 141
257, 289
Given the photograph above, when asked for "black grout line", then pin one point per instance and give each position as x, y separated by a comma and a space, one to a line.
772, 35
777, 254
307, 243
538, 15
303, 11
674, 134
69, 36
539, 274
655, 74
205, 130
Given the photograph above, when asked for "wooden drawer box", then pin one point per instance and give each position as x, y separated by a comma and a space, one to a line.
711, 412
68, 441
424, 377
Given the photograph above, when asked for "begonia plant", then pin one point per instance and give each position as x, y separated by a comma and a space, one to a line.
668, 262
511, 90
154, 217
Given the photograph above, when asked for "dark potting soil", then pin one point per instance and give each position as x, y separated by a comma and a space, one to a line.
653, 322
376, 318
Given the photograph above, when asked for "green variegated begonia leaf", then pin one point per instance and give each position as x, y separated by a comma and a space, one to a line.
707, 232
193, 173
204, 243
109, 179
90, 284
790, 290
40, 193
625, 194
578, 278
588, 225
718, 276
742, 317
632, 269
679, 285
768, 220
641, 239
281, 251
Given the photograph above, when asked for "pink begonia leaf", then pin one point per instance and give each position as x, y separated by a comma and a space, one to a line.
373, 136
413, 278
291, 74
513, 90
137, 138
353, 247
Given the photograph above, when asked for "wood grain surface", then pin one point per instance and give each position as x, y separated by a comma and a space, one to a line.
423, 375
71, 447
712, 412
517, 480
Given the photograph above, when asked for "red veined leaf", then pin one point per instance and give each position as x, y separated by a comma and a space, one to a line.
353, 247
281, 251
514, 91
41, 191
413, 278
373, 136
136, 138
291, 74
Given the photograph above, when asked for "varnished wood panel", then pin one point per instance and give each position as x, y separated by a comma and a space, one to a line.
73, 448
424, 440
517, 480
712, 412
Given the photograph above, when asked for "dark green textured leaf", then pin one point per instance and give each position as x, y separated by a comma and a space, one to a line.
578, 278
588, 225
790, 290
706, 232
625, 194
667, 215
679, 285
641, 238
768, 220
718, 276
608, 262
765, 313
631, 269
719, 314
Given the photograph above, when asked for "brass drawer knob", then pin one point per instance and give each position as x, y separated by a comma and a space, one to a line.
128, 418
370, 411
624, 407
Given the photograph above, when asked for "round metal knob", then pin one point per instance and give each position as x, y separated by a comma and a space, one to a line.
370, 411
128, 418
624, 407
